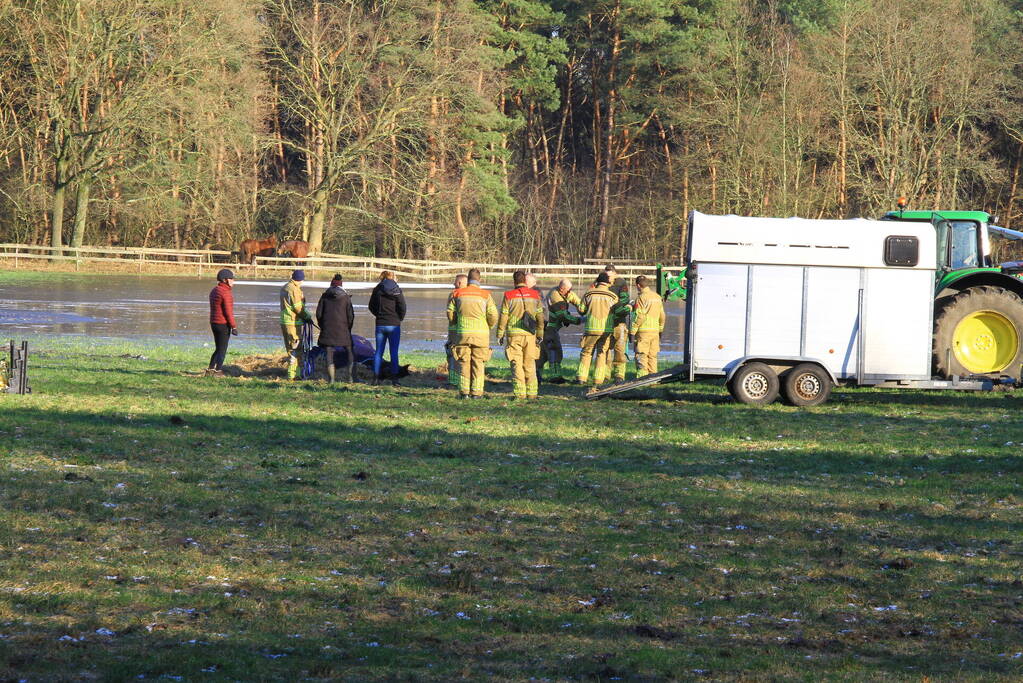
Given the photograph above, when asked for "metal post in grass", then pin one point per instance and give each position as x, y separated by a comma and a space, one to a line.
17, 372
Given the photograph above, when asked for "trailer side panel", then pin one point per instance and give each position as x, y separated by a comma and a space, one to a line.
832, 318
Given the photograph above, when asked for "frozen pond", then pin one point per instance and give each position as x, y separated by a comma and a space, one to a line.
175, 310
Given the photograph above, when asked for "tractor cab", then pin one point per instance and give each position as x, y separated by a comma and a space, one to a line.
970, 246
962, 237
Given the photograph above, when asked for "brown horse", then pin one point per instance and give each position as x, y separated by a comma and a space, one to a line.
294, 248
250, 249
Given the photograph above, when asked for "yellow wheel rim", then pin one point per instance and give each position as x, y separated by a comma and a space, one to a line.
985, 342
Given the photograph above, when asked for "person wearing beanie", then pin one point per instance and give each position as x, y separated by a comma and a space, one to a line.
598, 303
387, 304
335, 316
221, 320
293, 315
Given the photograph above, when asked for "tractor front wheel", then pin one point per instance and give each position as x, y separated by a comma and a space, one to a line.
980, 332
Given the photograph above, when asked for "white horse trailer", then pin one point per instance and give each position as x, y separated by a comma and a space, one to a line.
796, 306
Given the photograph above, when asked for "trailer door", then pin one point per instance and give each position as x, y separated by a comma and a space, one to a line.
719, 316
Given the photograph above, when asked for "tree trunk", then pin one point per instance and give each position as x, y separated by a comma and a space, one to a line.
318, 219
1013, 187
81, 212
459, 197
609, 161
57, 216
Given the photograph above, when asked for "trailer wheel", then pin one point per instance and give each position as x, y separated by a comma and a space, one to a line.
754, 383
806, 384
979, 332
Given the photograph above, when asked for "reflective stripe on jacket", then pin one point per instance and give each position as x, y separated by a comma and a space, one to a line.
599, 303
521, 313
622, 310
471, 310
649, 312
558, 314
293, 308
451, 323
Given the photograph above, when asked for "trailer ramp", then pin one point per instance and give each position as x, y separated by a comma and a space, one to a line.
672, 375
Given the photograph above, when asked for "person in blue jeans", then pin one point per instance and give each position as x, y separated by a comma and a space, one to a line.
387, 304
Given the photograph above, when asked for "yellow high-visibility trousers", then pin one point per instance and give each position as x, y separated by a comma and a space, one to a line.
595, 347
621, 344
293, 345
648, 345
449, 350
522, 351
472, 366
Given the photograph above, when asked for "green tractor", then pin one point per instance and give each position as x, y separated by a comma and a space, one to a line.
978, 294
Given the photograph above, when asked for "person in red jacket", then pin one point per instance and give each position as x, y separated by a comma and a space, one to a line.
221, 319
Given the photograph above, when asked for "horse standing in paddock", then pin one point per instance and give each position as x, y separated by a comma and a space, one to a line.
294, 248
250, 249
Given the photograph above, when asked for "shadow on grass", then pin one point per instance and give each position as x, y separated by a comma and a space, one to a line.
407, 646
194, 441
525, 495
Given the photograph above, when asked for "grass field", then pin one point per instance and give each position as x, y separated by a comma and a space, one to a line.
159, 525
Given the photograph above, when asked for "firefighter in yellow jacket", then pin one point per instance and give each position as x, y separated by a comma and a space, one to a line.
647, 326
620, 329
460, 281
472, 313
599, 303
558, 316
520, 329
293, 315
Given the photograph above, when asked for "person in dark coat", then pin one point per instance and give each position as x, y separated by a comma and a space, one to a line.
221, 320
335, 315
387, 303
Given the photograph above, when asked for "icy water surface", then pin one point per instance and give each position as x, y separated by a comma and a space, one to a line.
176, 310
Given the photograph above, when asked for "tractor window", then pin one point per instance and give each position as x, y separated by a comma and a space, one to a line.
1006, 245
964, 245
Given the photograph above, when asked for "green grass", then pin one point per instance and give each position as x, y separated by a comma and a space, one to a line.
259, 530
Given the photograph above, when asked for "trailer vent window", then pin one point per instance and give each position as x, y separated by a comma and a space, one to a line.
901, 250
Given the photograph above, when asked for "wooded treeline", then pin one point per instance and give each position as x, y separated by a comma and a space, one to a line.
500, 130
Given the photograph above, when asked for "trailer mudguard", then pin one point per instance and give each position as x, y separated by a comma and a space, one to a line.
785, 360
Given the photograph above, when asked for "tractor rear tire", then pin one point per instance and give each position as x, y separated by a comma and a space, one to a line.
979, 332
754, 384
807, 384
